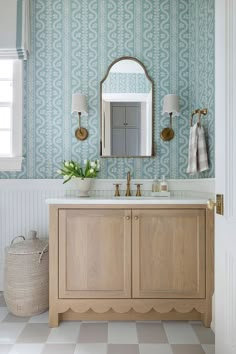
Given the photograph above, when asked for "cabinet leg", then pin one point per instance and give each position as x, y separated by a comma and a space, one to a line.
206, 319
53, 318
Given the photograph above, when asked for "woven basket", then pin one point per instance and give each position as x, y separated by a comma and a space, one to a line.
26, 276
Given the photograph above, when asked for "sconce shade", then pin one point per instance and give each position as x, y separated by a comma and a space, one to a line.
171, 105
79, 103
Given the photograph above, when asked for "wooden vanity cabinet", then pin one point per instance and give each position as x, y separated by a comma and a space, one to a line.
130, 262
94, 253
169, 253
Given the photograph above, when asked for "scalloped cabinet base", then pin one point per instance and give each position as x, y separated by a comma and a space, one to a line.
148, 262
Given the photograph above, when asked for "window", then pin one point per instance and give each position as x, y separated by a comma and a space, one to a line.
11, 107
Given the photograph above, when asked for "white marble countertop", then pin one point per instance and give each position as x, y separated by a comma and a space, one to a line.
92, 200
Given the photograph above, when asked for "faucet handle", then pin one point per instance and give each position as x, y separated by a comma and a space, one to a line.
117, 191
138, 193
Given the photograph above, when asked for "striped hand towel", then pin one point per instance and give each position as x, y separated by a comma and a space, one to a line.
202, 151
197, 158
192, 150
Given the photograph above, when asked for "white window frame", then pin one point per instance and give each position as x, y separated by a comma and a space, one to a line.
14, 162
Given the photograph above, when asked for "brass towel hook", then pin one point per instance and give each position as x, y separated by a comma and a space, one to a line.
199, 112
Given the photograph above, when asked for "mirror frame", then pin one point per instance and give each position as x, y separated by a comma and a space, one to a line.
152, 83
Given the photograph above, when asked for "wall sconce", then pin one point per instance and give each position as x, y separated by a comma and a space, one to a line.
171, 109
79, 105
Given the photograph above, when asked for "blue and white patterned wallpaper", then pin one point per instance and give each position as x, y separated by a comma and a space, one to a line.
73, 43
126, 82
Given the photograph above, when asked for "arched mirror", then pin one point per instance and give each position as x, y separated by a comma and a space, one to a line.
126, 110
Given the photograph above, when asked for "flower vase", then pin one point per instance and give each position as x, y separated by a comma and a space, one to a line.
82, 186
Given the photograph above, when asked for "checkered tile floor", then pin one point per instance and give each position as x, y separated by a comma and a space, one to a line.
33, 336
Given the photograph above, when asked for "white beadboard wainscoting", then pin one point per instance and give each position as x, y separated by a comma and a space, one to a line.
23, 207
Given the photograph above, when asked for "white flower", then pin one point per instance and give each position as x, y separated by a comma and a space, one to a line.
93, 164
59, 172
65, 177
67, 164
91, 170
85, 161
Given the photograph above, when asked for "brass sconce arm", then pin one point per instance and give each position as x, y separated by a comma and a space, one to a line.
80, 105
81, 133
168, 133
171, 108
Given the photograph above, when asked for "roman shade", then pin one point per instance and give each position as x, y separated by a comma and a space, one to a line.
14, 29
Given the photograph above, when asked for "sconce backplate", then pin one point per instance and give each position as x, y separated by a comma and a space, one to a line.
81, 133
167, 134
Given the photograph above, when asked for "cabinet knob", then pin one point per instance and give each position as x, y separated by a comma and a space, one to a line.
136, 218
127, 217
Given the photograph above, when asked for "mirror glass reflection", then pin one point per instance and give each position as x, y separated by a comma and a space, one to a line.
126, 110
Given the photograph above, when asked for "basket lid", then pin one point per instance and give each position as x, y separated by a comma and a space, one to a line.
31, 245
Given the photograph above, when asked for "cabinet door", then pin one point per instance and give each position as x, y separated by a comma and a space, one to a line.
132, 115
117, 115
132, 142
169, 253
125, 128
118, 142
94, 253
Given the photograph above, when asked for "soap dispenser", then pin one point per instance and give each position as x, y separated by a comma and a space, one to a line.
155, 185
163, 185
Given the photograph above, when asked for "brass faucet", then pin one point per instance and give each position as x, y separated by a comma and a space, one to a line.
128, 191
